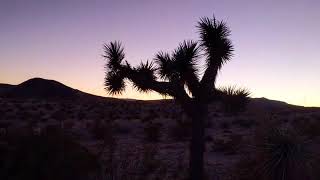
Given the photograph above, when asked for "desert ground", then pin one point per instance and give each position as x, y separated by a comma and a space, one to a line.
151, 137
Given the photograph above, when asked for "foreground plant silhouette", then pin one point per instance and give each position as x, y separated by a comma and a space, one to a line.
178, 75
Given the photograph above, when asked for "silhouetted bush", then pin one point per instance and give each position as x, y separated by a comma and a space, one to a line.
234, 100
152, 132
49, 156
148, 118
122, 129
244, 122
68, 125
181, 131
307, 127
208, 138
48, 106
228, 146
98, 129
225, 125
59, 115
144, 164
105, 131
81, 115
149, 160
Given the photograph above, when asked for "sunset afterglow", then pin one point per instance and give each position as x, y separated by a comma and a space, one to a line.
276, 47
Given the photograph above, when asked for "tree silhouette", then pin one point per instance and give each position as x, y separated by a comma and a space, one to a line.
178, 75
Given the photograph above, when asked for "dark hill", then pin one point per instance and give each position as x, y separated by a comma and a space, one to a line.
4, 88
41, 88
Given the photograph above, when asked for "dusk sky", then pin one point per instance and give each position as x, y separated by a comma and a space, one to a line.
276, 42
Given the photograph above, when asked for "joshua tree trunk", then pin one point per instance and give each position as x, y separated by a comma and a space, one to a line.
198, 113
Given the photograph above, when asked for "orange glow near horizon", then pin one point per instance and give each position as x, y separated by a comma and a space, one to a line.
293, 97
290, 98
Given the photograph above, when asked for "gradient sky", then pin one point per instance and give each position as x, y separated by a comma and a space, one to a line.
276, 42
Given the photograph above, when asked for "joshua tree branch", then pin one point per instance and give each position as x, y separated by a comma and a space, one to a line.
193, 84
208, 80
162, 87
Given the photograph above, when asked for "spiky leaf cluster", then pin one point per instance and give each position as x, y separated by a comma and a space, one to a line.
114, 82
235, 99
180, 64
214, 37
165, 66
114, 52
283, 155
144, 76
114, 79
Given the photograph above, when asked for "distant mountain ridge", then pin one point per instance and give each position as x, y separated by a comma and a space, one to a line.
38, 88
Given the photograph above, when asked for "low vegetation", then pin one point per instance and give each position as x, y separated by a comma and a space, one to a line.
106, 144
234, 99
49, 155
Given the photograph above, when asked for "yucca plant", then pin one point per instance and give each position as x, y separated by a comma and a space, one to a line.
234, 99
178, 75
283, 155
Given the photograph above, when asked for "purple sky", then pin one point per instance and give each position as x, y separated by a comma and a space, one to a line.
276, 42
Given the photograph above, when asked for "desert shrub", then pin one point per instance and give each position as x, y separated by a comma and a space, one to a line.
229, 145
120, 169
208, 138
216, 115
283, 155
81, 115
149, 117
48, 106
152, 131
43, 119
243, 169
59, 115
134, 116
181, 169
181, 131
307, 127
143, 164
98, 129
148, 159
225, 125
234, 100
244, 123
315, 117
9, 109
209, 123
49, 156
122, 128
68, 125
102, 130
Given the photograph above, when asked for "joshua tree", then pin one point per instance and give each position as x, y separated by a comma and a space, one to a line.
178, 75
